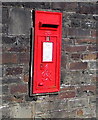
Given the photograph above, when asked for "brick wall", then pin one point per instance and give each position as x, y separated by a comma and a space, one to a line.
77, 97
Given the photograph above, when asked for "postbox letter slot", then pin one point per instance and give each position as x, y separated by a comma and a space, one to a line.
49, 25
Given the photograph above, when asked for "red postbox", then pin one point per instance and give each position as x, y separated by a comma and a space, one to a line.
47, 52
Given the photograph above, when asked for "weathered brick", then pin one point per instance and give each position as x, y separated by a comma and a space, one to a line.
95, 17
0, 58
69, 88
77, 16
70, 6
58, 5
20, 88
64, 32
63, 61
78, 65
86, 8
23, 58
89, 87
69, 94
5, 14
72, 78
17, 48
93, 65
22, 110
59, 114
12, 4
78, 32
11, 80
0, 48
67, 41
65, 6
83, 32
23, 18
94, 79
44, 5
8, 40
12, 98
28, 98
88, 25
63, 75
58, 105
93, 48
17, 98
86, 90
77, 103
5, 29
75, 56
5, 89
30, 5
14, 71
90, 40
75, 48
75, 23
90, 56
1, 71
93, 33
5, 112
26, 78
8, 58
66, 23
6, 98
71, 32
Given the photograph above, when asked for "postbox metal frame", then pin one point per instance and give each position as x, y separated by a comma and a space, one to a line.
48, 32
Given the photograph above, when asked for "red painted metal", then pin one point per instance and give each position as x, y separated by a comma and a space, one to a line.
47, 52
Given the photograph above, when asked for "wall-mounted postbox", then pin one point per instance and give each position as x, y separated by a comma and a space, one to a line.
47, 52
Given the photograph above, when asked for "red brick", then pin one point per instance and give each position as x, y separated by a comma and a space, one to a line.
13, 98
93, 48
26, 78
78, 65
69, 88
14, 71
86, 88
93, 33
63, 61
75, 48
0, 58
18, 88
18, 49
69, 94
97, 78
67, 41
23, 58
72, 32
90, 56
75, 56
8, 58
81, 41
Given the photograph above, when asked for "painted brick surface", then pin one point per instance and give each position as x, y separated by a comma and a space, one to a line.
77, 97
